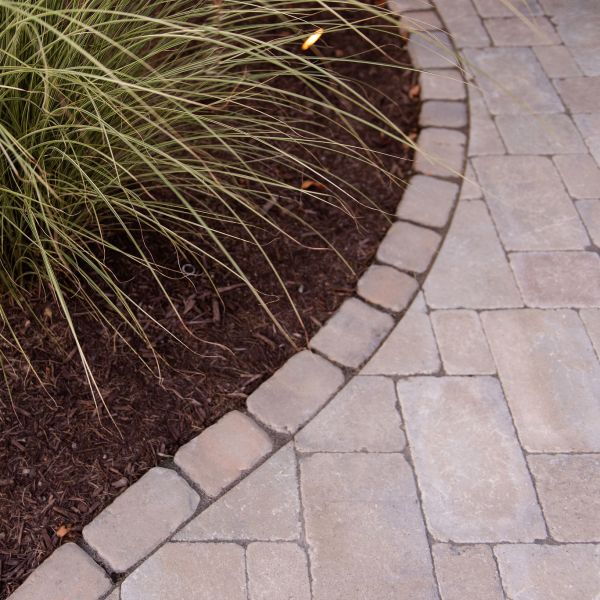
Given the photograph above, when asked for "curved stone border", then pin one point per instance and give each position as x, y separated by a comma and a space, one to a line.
161, 504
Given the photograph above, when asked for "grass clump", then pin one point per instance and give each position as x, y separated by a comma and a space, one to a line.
128, 119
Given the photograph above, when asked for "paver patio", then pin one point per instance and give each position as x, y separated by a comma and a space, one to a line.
451, 451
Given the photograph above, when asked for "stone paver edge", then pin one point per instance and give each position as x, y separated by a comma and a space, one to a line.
433, 171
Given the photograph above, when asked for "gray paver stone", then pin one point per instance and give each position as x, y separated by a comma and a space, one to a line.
580, 174
295, 392
550, 375
364, 528
428, 201
558, 279
189, 572
408, 247
220, 454
67, 574
514, 31
591, 320
589, 126
421, 20
277, 572
462, 343
353, 333
443, 113
444, 84
467, 31
400, 6
557, 61
569, 490
496, 8
362, 417
431, 50
387, 287
470, 189
484, 138
141, 518
473, 478
532, 572
440, 152
466, 572
590, 214
263, 506
580, 94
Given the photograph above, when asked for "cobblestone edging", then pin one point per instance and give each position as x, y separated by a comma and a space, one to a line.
441, 436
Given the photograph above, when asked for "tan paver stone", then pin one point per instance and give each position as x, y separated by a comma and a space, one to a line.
431, 50
421, 20
529, 205
387, 287
409, 349
295, 392
189, 572
264, 506
222, 452
444, 84
557, 61
353, 333
462, 342
546, 134
558, 279
494, 8
569, 490
473, 478
511, 91
364, 528
361, 417
532, 572
471, 270
120, 533
443, 113
67, 574
591, 320
550, 375
428, 201
580, 94
466, 572
408, 247
580, 174
514, 31
484, 138
590, 214
277, 572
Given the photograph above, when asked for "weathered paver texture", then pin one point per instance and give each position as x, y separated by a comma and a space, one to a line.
441, 444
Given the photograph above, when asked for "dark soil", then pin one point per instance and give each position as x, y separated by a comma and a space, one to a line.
62, 459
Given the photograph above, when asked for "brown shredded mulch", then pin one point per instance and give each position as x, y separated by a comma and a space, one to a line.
63, 459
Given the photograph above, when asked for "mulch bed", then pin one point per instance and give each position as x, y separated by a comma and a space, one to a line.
62, 460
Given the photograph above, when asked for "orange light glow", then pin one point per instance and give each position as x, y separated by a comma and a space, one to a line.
313, 38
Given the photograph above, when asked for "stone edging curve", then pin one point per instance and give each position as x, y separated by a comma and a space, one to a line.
169, 497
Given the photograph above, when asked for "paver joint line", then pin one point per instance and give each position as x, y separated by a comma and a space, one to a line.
463, 460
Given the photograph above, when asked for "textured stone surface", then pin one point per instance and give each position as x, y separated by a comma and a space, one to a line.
546, 134
428, 201
400, 6
295, 392
387, 287
421, 20
364, 528
580, 94
431, 50
277, 572
353, 333
440, 152
589, 126
557, 61
466, 572
462, 342
529, 204
445, 84
484, 138
221, 453
189, 572
580, 174
467, 31
471, 270
581, 32
558, 279
474, 481
497, 8
67, 574
409, 349
550, 375
590, 214
569, 490
408, 247
511, 91
116, 595
361, 417
514, 31
263, 506
532, 572
443, 113
470, 189
591, 320
121, 534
